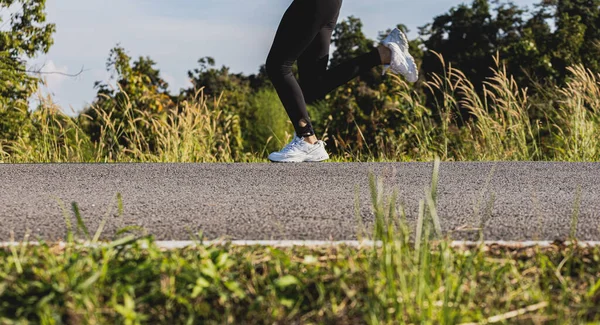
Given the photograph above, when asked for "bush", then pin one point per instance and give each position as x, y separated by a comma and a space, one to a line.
266, 123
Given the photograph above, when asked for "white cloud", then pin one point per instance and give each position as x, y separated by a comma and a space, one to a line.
175, 84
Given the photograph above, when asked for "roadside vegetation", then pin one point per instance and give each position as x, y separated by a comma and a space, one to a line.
499, 82
504, 124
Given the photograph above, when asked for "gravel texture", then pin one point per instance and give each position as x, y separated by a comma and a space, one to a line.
521, 201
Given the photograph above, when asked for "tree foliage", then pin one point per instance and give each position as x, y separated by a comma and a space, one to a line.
537, 44
138, 91
25, 34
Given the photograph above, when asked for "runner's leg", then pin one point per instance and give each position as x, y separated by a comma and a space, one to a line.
316, 80
301, 23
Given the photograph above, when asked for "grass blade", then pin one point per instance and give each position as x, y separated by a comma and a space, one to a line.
434, 216
420, 221
67, 219
80, 222
575, 214
435, 178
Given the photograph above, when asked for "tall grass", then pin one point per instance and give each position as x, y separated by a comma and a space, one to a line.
502, 128
497, 121
55, 138
500, 122
577, 124
193, 132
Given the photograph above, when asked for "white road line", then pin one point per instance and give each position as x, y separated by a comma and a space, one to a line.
319, 243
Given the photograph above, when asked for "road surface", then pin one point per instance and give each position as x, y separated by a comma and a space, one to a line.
521, 201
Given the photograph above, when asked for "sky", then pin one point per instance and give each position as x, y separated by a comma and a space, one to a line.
176, 33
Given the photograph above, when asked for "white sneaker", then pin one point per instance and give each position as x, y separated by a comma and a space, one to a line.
300, 151
402, 62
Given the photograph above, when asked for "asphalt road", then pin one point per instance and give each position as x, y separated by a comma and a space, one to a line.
531, 201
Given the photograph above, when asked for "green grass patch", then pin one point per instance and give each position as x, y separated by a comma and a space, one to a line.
136, 282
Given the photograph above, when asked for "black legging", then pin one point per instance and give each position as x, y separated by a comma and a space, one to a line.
304, 34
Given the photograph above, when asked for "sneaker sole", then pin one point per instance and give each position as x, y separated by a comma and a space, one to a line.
285, 162
320, 159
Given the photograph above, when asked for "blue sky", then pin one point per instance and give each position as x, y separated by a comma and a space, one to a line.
176, 33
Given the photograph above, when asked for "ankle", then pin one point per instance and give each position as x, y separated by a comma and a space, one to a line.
311, 139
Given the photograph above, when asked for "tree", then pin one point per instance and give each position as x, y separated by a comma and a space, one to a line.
577, 35
469, 36
26, 35
214, 82
349, 40
139, 91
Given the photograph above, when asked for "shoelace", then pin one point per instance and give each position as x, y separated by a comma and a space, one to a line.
296, 142
292, 145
